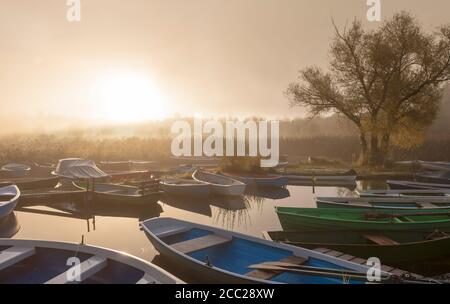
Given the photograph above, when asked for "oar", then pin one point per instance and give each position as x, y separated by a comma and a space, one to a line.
310, 268
340, 275
337, 273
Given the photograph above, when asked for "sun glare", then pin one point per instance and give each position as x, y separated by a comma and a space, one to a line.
129, 97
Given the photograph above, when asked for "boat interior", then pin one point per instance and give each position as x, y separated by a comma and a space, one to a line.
237, 255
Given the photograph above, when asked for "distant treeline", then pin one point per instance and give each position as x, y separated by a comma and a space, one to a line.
49, 148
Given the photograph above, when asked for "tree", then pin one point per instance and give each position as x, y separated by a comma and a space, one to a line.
387, 81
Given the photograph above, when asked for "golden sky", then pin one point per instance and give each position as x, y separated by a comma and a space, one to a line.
139, 59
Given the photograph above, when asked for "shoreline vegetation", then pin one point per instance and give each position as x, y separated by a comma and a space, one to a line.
332, 153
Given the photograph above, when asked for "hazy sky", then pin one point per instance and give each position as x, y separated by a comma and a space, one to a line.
173, 56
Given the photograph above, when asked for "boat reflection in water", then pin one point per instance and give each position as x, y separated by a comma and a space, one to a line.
9, 226
87, 211
268, 193
231, 211
192, 204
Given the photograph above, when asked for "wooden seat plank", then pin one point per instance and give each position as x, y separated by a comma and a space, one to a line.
172, 231
88, 268
13, 255
346, 257
334, 253
358, 261
200, 243
380, 239
267, 274
322, 250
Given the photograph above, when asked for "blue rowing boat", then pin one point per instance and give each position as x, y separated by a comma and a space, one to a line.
214, 255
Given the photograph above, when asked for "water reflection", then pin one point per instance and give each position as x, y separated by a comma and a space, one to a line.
270, 193
195, 205
118, 228
80, 210
231, 211
9, 226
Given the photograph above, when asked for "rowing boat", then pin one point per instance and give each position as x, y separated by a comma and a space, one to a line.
423, 204
44, 262
215, 255
120, 194
361, 219
220, 184
9, 197
186, 187
434, 177
398, 185
391, 247
404, 193
436, 166
323, 177
31, 183
259, 180
9, 226
16, 170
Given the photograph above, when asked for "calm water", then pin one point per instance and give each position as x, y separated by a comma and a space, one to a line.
119, 229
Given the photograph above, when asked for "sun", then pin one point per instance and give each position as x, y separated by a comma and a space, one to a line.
128, 97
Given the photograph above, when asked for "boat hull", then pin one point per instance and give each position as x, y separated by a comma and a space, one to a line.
275, 181
221, 185
384, 206
7, 207
293, 221
32, 184
395, 185
228, 260
399, 254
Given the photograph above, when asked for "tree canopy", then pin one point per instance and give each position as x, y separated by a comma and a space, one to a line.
388, 82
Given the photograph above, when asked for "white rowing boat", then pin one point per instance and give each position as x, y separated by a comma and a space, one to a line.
47, 262
220, 184
9, 197
187, 187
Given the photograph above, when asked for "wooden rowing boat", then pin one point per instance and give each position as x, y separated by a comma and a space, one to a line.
15, 170
31, 183
220, 184
399, 185
391, 247
404, 193
216, 255
323, 177
259, 180
9, 197
435, 166
362, 219
120, 194
186, 187
44, 262
417, 204
9, 226
434, 177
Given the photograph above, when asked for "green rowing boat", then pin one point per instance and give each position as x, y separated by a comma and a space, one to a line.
391, 247
361, 219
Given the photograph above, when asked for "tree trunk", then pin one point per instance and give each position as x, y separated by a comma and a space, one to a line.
364, 157
376, 154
